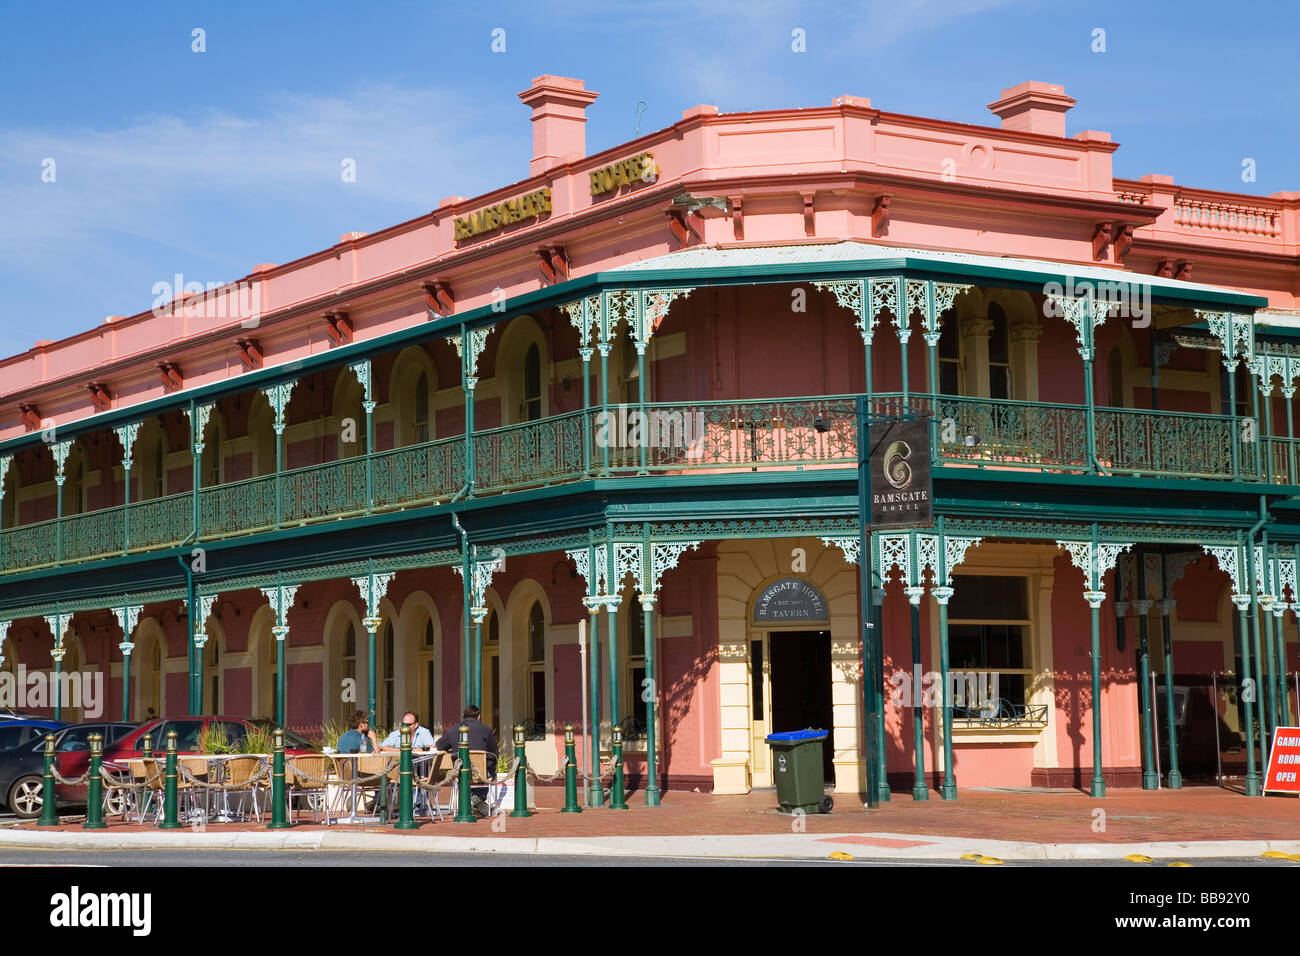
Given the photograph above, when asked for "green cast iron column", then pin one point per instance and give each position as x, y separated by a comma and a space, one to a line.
281, 633
612, 608
1264, 605
464, 807
595, 790
1232, 413
1261, 691
1098, 780
467, 638
58, 524
1258, 442
126, 684
878, 618
1150, 779
1248, 695
1265, 440
651, 692
405, 819
477, 662
586, 409
126, 505
869, 634
914, 590
1288, 392
369, 408
645, 426
279, 466
1175, 778
371, 625
279, 807
1095, 596
1090, 413
604, 405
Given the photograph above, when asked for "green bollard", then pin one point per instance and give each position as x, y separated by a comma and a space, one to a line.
95, 796
464, 812
405, 819
146, 749
170, 822
49, 817
570, 774
521, 776
616, 801
279, 814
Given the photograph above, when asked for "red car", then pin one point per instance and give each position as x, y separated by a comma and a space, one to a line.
188, 732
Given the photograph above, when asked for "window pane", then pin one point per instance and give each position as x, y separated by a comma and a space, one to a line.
948, 378
998, 335
536, 634
756, 669
949, 346
635, 629
999, 381
10, 737
985, 597
539, 699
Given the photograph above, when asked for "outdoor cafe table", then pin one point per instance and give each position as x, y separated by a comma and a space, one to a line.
380, 763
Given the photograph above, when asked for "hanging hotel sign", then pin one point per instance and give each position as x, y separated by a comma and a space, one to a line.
637, 169
528, 206
901, 484
790, 599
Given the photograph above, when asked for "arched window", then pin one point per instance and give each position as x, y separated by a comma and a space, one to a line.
74, 488
537, 669
421, 423
531, 407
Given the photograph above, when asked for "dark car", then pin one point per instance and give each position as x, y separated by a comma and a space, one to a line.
189, 730
22, 768
16, 730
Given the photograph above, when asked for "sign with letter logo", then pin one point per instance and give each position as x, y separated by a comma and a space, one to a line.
790, 599
901, 484
1284, 762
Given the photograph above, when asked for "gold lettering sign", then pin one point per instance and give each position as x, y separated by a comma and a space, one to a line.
529, 206
637, 169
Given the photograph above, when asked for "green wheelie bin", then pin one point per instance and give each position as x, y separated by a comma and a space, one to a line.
797, 770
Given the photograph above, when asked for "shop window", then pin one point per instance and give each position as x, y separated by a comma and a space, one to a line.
634, 674
988, 634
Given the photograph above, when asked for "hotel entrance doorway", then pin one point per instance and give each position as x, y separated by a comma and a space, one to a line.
800, 675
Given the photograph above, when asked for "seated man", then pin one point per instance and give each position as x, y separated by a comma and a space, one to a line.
421, 739
359, 737
480, 738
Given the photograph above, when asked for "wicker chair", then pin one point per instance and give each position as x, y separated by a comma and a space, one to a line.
307, 776
122, 788
438, 775
243, 776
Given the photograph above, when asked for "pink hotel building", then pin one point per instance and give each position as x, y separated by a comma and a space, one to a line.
589, 440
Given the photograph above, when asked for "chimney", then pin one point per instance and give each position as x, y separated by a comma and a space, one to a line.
1034, 108
559, 115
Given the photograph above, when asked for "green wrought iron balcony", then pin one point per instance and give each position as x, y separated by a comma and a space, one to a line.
717, 437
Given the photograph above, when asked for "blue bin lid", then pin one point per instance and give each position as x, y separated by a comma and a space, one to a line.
795, 736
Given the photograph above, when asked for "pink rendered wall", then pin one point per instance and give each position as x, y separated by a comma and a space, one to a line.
1071, 647
1197, 657
993, 765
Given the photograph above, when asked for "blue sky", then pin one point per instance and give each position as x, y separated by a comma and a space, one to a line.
168, 160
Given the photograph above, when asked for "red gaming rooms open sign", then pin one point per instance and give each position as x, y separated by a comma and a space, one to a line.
1284, 763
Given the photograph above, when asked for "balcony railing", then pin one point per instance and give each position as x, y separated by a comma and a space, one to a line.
739, 437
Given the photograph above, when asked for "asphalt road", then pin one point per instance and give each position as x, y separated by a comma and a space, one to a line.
381, 858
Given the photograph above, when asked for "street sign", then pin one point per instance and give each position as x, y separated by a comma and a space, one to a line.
1283, 774
901, 483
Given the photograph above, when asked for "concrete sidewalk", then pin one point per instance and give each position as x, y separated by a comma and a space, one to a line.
1014, 824
889, 846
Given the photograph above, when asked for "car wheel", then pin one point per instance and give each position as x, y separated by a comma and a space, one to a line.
115, 805
26, 797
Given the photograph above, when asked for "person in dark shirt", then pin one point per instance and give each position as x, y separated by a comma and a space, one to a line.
359, 738
480, 738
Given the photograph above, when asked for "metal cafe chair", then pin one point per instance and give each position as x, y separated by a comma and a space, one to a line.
308, 775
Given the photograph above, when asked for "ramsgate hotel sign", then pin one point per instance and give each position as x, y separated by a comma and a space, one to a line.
628, 172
